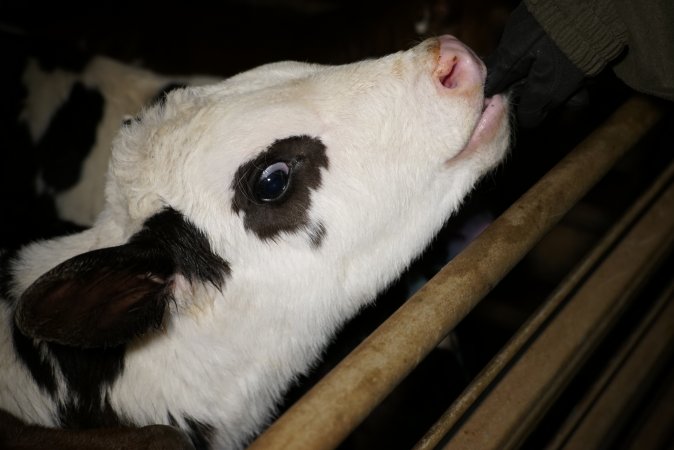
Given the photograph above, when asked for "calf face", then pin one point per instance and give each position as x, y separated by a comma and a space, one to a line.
244, 223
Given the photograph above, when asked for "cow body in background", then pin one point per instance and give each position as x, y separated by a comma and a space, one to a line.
58, 121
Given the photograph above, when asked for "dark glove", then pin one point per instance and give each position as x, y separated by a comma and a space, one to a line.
528, 62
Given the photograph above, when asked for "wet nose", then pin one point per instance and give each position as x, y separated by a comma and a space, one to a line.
458, 67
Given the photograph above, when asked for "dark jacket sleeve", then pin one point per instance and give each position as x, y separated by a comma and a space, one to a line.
635, 38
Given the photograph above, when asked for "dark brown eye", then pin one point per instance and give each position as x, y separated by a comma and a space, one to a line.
273, 182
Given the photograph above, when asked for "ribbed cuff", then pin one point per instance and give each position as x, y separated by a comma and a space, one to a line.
590, 33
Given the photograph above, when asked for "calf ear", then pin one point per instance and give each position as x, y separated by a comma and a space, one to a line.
102, 298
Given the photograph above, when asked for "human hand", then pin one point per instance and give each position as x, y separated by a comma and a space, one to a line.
538, 74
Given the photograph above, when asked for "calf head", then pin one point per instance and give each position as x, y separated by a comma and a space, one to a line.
257, 214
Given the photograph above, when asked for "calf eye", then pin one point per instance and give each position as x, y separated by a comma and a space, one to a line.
272, 182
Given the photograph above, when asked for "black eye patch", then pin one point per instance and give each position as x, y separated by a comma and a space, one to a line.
273, 190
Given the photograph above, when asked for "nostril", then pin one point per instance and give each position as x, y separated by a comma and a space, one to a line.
449, 80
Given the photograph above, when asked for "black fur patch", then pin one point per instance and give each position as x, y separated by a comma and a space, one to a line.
188, 246
200, 433
27, 350
87, 373
307, 156
70, 137
29, 353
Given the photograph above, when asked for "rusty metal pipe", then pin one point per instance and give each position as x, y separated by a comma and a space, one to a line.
342, 399
524, 392
603, 412
654, 431
543, 314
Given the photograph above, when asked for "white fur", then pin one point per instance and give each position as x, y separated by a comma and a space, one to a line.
394, 139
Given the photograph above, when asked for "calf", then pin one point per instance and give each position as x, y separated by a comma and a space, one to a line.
244, 223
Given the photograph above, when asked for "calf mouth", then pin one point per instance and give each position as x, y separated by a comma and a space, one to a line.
461, 72
488, 125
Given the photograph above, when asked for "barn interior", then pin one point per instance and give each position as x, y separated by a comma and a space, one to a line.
229, 37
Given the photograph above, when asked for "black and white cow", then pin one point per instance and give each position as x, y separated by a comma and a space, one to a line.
244, 222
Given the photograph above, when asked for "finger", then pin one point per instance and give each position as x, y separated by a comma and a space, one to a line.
550, 83
515, 53
505, 69
535, 98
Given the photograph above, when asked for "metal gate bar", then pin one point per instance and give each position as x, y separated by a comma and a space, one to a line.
342, 399
537, 321
599, 418
654, 431
524, 392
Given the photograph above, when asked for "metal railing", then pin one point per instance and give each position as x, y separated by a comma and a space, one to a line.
523, 379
